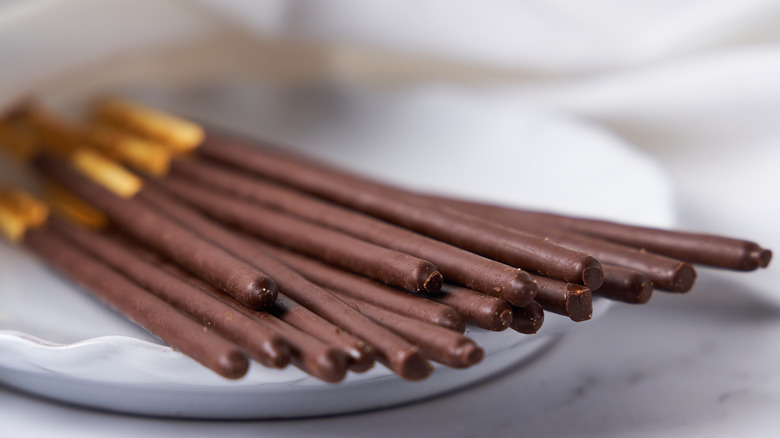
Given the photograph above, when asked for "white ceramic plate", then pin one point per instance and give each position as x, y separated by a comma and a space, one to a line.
58, 342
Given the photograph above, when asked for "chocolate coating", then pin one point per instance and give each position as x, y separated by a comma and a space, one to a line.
312, 355
568, 299
150, 312
527, 319
381, 264
308, 353
457, 265
700, 248
438, 343
626, 285
666, 273
405, 209
396, 353
705, 249
261, 344
484, 311
203, 258
368, 290
360, 353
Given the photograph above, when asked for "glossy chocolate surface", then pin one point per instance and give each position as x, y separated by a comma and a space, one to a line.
699, 248
626, 285
484, 311
437, 343
368, 290
456, 265
393, 351
263, 345
407, 210
143, 308
201, 257
568, 299
381, 264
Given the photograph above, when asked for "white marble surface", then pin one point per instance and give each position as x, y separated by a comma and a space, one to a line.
700, 365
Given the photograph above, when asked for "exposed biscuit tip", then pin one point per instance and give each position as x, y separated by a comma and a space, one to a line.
20, 211
180, 135
106, 172
67, 204
12, 226
144, 155
31, 211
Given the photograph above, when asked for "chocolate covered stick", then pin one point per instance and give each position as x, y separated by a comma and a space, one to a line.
626, 285
368, 290
457, 265
666, 273
438, 343
527, 319
407, 210
567, 299
388, 266
358, 355
396, 353
319, 328
311, 355
361, 354
152, 313
322, 363
699, 248
215, 265
261, 344
484, 311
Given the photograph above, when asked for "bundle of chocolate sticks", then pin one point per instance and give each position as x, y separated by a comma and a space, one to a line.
231, 250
